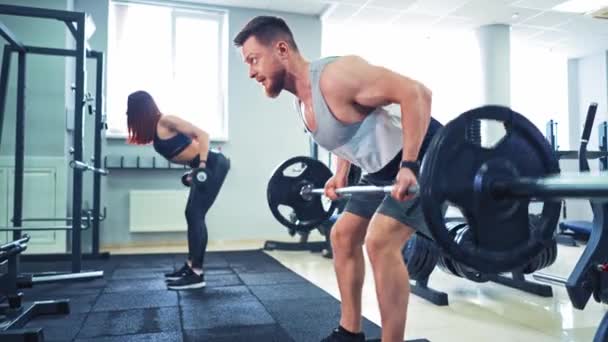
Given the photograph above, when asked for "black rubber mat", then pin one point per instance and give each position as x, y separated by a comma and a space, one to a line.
249, 297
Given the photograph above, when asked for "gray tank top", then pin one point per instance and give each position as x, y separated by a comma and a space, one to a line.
370, 144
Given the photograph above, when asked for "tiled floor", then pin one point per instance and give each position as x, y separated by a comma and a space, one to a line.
476, 312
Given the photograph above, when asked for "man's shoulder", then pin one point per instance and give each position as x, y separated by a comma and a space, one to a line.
336, 72
333, 59
343, 64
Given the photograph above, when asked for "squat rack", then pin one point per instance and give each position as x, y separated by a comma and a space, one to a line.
75, 22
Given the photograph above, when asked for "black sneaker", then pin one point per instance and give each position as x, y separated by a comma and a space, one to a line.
175, 275
342, 335
189, 281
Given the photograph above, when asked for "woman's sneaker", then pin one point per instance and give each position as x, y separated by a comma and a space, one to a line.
189, 281
175, 275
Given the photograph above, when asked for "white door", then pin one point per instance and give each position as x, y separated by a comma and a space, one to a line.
40, 201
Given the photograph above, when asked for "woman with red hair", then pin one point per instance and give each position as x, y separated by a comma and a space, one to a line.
179, 141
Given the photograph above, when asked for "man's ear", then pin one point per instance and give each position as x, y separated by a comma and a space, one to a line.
282, 48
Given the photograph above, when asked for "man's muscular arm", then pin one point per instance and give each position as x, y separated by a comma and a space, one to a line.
352, 80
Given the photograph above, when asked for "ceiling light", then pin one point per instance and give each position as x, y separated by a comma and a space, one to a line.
580, 6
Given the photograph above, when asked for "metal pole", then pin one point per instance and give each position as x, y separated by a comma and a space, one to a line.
51, 278
37, 12
13, 265
551, 279
99, 110
10, 37
19, 147
604, 145
40, 50
551, 133
583, 163
4, 73
78, 120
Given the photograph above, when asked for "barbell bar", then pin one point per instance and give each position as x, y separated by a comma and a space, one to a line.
307, 190
79, 165
559, 186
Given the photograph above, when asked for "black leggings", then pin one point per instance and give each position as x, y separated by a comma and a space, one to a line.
199, 202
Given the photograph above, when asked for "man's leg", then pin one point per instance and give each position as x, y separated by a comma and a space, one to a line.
389, 230
347, 236
384, 243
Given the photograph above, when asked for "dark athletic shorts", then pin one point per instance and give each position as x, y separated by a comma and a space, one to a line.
407, 212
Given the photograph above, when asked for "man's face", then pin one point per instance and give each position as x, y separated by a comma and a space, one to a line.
264, 65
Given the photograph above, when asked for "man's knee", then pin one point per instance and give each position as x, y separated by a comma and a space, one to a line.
348, 234
376, 246
344, 241
386, 238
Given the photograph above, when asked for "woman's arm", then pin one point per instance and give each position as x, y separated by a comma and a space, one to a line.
180, 125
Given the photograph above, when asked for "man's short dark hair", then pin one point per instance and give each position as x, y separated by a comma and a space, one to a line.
266, 29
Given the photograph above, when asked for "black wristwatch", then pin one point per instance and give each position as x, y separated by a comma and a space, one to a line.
413, 165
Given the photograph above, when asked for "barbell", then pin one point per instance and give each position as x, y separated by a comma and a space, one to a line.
79, 165
568, 186
492, 186
307, 191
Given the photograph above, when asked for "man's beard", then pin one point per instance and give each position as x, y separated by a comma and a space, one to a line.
276, 84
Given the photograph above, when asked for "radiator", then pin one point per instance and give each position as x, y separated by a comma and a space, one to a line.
157, 210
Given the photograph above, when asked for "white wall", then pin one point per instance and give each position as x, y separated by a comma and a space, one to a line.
539, 87
263, 133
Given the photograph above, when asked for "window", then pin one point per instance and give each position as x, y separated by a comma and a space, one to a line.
178, 55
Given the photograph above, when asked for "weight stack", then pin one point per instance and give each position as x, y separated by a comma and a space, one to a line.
420, 255
545, 258
460, 232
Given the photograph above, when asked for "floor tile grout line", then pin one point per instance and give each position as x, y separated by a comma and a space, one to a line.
260, 301
92, 306
181, 315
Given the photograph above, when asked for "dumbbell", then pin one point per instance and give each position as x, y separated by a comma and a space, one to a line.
196, 176
186, 179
